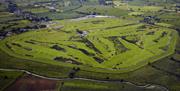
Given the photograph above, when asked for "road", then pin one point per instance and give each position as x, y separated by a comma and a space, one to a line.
147, 86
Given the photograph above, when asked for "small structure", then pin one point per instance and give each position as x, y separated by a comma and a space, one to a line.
1, 37
67, 3
109, 2
9, 33
84, 33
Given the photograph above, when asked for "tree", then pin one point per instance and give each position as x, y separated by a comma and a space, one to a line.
107, 78
12, 7
73, 72
102, 2
5, 77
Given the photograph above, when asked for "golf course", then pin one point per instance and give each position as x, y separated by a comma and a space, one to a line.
109, 43
89, 45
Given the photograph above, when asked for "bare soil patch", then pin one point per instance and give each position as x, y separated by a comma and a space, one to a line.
32, 83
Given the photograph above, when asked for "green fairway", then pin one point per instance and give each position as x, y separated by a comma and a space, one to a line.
112, 43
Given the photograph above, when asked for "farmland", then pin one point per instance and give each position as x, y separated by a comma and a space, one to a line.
7, 78
89, 45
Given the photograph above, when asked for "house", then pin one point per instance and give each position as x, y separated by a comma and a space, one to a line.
1, 37
102, 2
9, 33
18, 12
106, 2
67, 3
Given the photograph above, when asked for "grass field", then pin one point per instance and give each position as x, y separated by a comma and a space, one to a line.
102, 10
80, 85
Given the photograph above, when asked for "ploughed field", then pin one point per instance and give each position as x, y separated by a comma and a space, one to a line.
31, 83
111, 43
